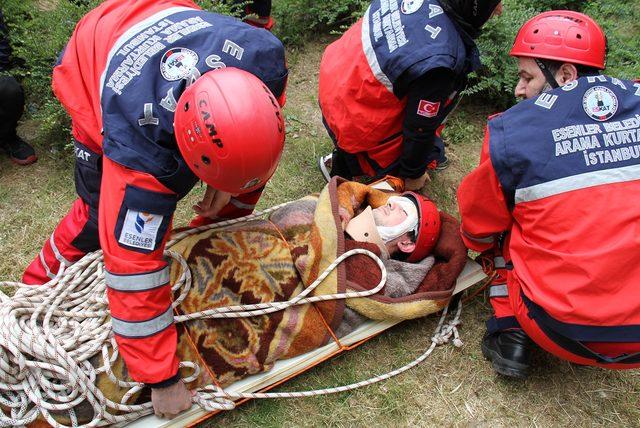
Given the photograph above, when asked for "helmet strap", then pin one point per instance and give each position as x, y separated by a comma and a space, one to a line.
551, 80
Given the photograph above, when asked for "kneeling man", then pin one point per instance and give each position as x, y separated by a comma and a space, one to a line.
554, 203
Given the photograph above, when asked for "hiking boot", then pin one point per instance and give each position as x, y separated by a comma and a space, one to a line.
509, 352
19, 151
324, 163
442, 164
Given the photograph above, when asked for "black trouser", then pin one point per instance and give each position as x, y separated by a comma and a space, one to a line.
11, 107
346, 165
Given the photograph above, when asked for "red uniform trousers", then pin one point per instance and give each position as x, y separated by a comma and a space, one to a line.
511, 311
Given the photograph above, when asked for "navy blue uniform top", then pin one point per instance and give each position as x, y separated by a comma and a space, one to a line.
584, 131
147, 73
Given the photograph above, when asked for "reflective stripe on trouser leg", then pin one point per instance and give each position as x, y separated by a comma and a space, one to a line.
499, 290
47, 263
504, 317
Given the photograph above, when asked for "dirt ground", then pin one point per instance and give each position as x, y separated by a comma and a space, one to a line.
454, 387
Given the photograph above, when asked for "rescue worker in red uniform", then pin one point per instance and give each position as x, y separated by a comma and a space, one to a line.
554, 204
387, 85
160, 94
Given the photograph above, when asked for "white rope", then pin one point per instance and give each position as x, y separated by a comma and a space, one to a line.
49, 333
213, 398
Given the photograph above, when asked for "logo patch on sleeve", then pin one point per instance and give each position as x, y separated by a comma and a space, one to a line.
428, 108
410, 6
140, 230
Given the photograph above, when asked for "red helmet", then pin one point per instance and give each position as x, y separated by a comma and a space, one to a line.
562, 35
230, 130
428, 226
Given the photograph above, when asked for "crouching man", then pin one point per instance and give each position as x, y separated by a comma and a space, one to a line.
161, 94
554, 203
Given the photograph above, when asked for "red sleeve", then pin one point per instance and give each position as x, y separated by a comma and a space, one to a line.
483, 207
135, 216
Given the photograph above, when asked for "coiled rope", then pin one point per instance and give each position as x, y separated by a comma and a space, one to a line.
49, 333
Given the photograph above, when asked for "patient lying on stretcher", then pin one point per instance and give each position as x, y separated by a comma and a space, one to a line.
403, 229
275, 259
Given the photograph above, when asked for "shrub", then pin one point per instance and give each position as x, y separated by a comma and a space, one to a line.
37, 37
300, 20
622, 26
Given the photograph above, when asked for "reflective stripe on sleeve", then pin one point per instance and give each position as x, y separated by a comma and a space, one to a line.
140, 329
57, 253
238, 204
577, 182
370, 53
139, 282
498, 291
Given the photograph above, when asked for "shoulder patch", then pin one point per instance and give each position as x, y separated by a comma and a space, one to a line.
410, 6
177, 63
428, 108
600, 103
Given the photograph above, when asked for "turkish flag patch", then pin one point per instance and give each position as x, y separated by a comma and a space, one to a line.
428, 108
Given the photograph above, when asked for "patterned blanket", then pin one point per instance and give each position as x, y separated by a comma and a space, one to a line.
261, 261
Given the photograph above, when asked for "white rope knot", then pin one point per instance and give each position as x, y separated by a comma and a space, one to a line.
212, 398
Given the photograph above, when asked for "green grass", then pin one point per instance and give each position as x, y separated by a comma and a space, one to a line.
454, 387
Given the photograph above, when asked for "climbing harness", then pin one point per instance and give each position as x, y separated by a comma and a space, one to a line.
49, 333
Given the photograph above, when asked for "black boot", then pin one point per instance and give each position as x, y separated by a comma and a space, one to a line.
509, 352
19, 151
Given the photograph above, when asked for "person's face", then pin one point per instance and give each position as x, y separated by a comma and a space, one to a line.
532, 80
389, 215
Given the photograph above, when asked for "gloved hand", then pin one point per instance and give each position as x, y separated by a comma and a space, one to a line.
213, 201
168, 402
415, 184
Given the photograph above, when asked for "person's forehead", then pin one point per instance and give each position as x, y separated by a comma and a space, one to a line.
398, 204
528, 65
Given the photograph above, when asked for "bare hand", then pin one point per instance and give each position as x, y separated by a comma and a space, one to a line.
414, 184
213, 201
345, 216
168, 402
